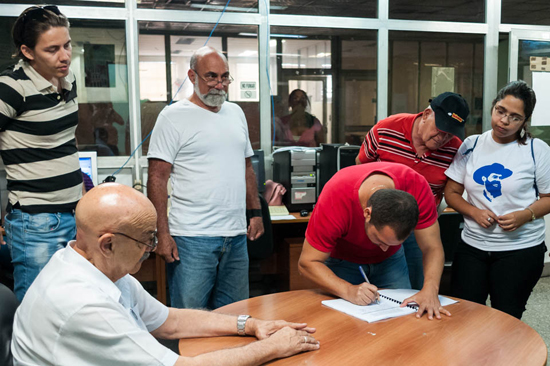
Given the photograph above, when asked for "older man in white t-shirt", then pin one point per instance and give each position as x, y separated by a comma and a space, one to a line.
202, 144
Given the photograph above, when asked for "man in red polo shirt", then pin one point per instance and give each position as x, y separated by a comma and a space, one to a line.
425, 142
361, 218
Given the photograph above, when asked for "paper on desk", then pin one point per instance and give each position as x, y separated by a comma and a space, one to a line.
402, 294
385, 310
284, 217
370, 313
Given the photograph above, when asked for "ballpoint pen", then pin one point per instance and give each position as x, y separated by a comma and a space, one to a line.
367, 281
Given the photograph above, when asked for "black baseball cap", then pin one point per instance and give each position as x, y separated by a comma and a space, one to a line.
451, 111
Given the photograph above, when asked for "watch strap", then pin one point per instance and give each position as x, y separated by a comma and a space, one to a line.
533, 217
256, 212
241, 323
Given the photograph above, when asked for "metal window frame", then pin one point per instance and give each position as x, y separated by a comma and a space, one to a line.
131, 14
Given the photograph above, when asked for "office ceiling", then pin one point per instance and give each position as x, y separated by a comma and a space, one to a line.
513, 11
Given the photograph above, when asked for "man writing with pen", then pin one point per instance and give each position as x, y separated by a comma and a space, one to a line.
361, 218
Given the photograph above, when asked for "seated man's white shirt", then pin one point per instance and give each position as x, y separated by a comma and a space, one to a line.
207, 151
75, 315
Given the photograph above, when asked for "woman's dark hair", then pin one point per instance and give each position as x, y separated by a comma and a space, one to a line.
519, 90
32, 23
396, 209
294, 92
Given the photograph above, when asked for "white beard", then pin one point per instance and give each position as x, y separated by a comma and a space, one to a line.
214, 98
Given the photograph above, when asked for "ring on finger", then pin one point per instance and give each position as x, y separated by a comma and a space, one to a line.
489, 219
305, 339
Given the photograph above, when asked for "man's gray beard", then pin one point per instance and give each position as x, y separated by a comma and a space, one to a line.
214, 98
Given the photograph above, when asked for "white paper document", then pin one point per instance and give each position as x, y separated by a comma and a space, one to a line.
389, 307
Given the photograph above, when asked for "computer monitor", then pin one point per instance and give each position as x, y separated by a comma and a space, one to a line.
88, 164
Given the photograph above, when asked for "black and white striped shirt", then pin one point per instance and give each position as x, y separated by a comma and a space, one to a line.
37, 140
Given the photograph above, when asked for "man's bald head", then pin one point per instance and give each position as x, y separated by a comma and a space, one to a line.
113, 222
113, 207
203, 51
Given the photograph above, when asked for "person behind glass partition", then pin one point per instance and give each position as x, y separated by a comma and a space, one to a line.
299, 128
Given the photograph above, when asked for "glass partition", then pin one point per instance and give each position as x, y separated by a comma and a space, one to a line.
99, 64
324, 85
180, 40
445, 11
245, 6
342, 8
424, 65
115, 3
525, 12
533, 68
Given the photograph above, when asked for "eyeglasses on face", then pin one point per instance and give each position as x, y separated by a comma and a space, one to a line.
151, 245
500, 112
213, 80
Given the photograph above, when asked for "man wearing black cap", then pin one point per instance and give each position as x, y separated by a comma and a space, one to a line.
426, 142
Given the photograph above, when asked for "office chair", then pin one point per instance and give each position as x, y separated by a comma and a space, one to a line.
258, 250
8, 305
450, 228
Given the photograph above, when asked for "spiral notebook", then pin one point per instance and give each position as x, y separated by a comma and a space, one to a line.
389, 306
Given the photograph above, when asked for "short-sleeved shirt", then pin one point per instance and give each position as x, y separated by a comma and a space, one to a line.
207, 151
37, 140
391, 140
500, 178
75, 315
337, 224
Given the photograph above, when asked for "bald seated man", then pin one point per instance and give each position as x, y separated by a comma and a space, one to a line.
85, 309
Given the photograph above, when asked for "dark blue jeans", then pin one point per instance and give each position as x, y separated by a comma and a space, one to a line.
507, 277
212, 272
413, 254
390, 273
33, 239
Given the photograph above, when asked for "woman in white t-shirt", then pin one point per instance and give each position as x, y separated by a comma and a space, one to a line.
501, 253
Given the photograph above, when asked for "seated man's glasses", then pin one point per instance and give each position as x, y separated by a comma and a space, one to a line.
213, 80
152, 245
501, 113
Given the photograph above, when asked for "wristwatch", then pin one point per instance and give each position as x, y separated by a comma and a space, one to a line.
533, 217
241, 323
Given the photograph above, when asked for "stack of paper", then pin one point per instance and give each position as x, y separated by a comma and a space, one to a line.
389, 306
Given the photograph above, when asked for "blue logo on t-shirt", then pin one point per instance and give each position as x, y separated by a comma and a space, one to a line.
491, 176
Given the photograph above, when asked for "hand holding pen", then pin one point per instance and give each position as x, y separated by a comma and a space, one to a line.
377, 299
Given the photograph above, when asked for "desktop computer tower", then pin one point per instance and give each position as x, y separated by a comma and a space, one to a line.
332, 158
296, 171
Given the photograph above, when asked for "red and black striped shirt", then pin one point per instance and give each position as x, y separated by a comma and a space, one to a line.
391, 140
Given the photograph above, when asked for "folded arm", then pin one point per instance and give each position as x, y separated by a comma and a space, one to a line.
277, 338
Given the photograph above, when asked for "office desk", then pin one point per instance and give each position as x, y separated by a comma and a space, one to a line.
473, 335
299, 219
288, 236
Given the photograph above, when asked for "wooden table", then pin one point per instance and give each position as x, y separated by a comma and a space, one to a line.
473, 335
